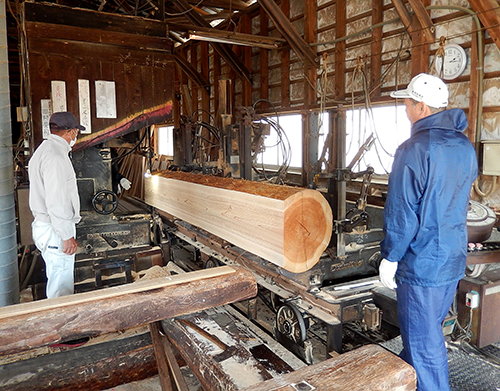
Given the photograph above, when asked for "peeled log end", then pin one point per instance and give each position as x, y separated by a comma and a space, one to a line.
308, 223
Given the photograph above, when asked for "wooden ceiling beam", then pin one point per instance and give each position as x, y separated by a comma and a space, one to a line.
424, 24
285, 27
403, 13
489, 15
231, 59
424, 19
190, 71
235, 5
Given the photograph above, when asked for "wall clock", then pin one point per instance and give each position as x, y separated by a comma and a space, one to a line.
455, 61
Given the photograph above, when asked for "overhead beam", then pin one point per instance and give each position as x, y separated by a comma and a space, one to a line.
231, 59
225, 4
285, 27
424, 19
191, 71
489, 15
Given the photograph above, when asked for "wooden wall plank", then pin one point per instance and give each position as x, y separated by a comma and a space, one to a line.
71, 33
56, 14
57, 51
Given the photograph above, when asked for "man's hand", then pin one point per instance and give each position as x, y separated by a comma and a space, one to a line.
387, 271
69, 246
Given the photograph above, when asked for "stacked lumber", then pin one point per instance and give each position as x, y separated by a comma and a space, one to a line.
290, 227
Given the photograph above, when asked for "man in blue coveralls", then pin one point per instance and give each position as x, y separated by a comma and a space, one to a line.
425, 222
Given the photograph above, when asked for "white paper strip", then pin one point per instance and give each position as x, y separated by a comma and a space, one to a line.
105, 99
84, 100
46, 113
58, 95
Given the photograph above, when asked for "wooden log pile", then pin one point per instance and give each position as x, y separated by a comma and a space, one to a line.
290, 227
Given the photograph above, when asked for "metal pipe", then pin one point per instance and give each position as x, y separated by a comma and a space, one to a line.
9, 273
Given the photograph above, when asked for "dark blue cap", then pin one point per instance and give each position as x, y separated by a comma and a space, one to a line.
64, 120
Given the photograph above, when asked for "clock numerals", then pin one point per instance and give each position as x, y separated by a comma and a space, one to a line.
454, 60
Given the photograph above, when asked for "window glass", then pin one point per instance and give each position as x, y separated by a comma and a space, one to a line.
390, 128
166, 140
283, 146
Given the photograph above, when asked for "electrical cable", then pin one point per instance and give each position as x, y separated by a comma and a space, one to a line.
132, 150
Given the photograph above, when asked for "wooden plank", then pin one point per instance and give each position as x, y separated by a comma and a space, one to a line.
370, 367
178, 377
161, 357
44, 322
290, 227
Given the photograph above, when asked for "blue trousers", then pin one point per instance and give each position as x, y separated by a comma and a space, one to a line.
421, 311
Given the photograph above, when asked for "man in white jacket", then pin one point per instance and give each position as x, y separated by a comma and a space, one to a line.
55, 203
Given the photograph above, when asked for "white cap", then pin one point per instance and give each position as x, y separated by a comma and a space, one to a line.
425, 88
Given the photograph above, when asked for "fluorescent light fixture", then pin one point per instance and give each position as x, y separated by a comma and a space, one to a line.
234, 38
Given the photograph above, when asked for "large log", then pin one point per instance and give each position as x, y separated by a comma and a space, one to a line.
370, 367
88, 368
290, 227
44, 322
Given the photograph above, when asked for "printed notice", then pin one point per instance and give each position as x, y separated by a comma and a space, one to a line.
58, 95
46, 113
84, 101
105, 99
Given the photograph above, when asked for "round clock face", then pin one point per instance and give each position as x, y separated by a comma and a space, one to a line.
455, 61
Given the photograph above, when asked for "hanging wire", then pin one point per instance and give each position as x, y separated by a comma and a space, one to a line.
283, 146
186, 11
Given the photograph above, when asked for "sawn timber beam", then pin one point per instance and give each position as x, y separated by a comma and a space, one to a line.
28, 325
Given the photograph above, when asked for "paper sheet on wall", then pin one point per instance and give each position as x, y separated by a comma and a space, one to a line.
105, 99
84, 101
46, 113
58, 91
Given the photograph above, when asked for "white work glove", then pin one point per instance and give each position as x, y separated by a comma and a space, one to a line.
125, 183
387, 271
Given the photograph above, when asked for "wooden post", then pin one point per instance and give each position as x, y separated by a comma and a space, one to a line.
340, 31
285, 62
376, 48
